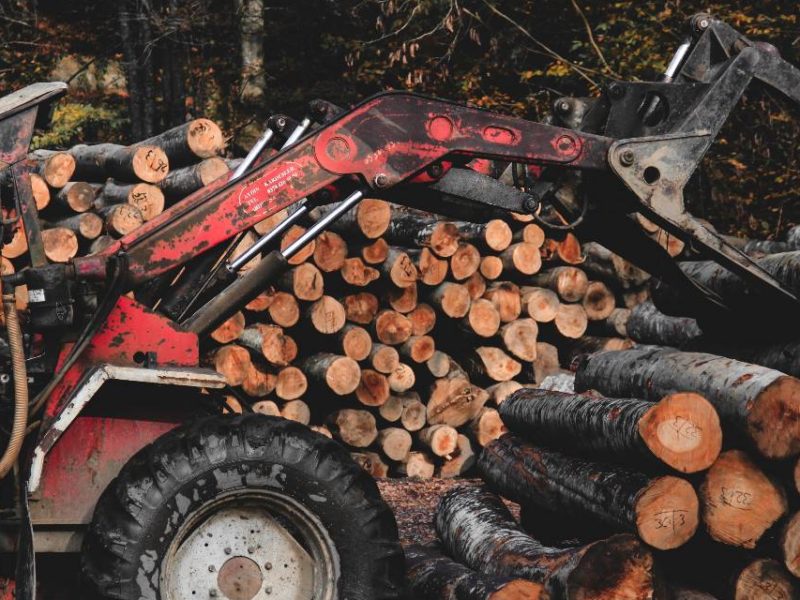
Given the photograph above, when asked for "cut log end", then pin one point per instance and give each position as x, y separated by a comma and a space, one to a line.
60, 244
373, 217
684, 431
373, 389
773, 422
343, 376
767, 579
740, 502
356, 342
667, 513
205, 138
327, 315
790, 545
150, 164
483, 318
497, 235
57, 169
618, 567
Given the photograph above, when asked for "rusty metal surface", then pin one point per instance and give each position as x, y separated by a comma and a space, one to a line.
131, 335
84, 461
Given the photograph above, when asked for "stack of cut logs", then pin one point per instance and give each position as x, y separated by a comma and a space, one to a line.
399, 333
418, 342
91, 194
624, 489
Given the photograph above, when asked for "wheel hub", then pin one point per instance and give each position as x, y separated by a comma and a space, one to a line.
240, 578
241, 551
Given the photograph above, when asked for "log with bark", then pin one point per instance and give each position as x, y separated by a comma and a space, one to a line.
647, 325
189, 142
476, 528
148, 198
433, 576
755, 403
681, 431
662, 510
74, 197
570, 283
55, 167
125, 163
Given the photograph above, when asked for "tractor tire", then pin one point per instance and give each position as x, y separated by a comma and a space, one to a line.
242, 507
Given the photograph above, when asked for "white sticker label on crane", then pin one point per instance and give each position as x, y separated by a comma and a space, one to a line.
35, 295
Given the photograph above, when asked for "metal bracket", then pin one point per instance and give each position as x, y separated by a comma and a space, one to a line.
656, 169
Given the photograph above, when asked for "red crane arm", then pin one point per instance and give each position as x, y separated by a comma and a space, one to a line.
384, 141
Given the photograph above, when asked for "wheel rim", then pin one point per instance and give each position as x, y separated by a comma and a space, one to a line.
251, 545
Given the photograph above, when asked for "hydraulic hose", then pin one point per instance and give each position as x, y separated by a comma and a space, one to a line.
19, 371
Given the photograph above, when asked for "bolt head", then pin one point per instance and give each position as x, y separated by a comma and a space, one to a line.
228, 550
616, 91
531, 204
268, 589
268, 566
381, 180
627, 158
211, 568
563, 106
251, 549
212, 593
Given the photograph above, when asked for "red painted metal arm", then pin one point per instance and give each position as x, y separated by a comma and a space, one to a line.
384, 141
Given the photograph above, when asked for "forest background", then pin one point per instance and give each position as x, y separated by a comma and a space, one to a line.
136, 67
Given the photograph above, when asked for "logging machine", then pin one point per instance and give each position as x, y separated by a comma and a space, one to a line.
115, 445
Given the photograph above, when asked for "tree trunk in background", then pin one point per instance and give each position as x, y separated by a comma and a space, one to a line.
251, 15
131, 65
144, 15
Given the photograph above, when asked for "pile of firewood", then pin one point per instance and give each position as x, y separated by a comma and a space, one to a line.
624, 488
399, 333
91, 194
628, 494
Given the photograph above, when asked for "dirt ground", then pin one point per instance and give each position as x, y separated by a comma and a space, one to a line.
414, 504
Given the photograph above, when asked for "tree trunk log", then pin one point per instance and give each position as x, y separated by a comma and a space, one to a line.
753, 402
121, 219
186, 143
125, 163
476, 528
681, 431
539, 304
86, 225
56, 168
647, 325
148, 198
663, 511
570, 283
340, 374
433, 576
74, 197
355, 428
